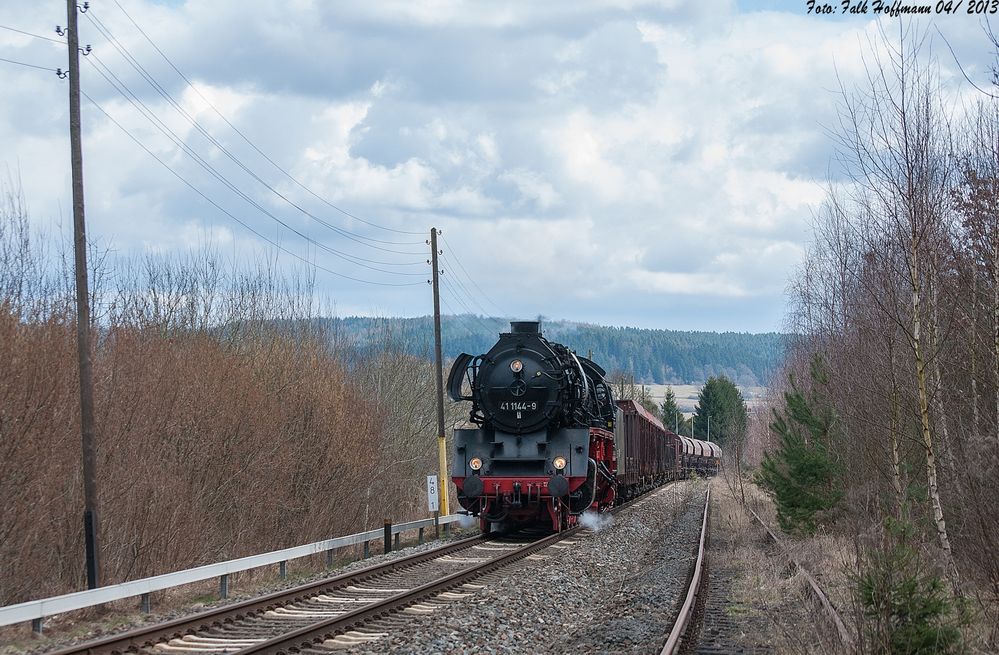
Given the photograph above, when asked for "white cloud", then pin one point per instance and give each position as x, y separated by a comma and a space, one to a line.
532, 187
687, 284
601, 160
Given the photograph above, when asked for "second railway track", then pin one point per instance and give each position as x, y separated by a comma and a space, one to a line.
748, 587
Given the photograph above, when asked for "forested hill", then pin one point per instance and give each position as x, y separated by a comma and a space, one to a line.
652, 356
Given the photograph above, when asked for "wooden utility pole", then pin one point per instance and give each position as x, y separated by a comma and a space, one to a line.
439, 377
90, 504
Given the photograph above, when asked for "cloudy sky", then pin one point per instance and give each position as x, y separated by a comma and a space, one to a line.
625, 162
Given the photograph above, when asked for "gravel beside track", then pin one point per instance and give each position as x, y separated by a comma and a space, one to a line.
615, 589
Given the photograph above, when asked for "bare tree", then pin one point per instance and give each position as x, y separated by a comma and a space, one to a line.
895, 134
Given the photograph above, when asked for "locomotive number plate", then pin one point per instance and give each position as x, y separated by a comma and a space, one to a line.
518, 407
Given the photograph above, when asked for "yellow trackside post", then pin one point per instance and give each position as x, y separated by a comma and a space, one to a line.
443, 484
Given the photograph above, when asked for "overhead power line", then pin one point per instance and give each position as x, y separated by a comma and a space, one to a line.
245, 138
147, 113
141, 70
458, 317
457, 260
458, 298
472, 298
23, 63
233, 216
37, 36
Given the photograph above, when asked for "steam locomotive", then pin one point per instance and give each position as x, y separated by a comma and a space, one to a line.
549, 442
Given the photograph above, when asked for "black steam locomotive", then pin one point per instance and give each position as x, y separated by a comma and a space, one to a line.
544, 439
547, 440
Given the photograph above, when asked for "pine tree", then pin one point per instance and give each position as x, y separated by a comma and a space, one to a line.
906, 608
801, 476
722, 401
671, 415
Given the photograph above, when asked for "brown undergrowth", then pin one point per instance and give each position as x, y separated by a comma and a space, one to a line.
228, 422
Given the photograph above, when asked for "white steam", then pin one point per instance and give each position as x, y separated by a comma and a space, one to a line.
596, 522
467, 520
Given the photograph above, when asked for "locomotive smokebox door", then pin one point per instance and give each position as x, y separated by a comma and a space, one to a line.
519, 385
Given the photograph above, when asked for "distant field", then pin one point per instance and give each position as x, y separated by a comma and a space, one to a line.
686, 395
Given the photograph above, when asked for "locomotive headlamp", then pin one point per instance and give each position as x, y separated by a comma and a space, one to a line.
475, 463
516, 366
559, 463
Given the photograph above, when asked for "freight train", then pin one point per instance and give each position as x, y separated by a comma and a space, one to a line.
548, 441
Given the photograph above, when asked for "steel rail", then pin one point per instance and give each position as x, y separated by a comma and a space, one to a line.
313, 635
687, 609
844, 633
37, 610
149, 635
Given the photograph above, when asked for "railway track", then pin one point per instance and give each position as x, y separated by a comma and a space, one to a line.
842, 632
354, 627
339, 612
242, 624
694, 615
679, 631
333, 613
378, 620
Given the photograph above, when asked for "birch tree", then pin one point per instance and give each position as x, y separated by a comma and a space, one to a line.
895, 143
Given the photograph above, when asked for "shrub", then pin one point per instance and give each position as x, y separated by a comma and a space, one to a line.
906, 610
227, 422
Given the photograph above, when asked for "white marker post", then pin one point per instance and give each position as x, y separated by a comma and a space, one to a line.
433, 499
433, 503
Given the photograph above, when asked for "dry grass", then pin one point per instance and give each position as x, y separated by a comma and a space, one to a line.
766, 583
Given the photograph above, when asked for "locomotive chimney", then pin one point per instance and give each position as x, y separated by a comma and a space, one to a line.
525, 327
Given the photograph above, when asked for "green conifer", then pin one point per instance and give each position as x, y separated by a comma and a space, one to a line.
720, 413
671, 415
802, 475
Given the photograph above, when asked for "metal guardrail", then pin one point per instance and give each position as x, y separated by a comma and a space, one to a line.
36, 610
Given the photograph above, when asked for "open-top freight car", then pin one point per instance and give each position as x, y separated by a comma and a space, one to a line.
647, 453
